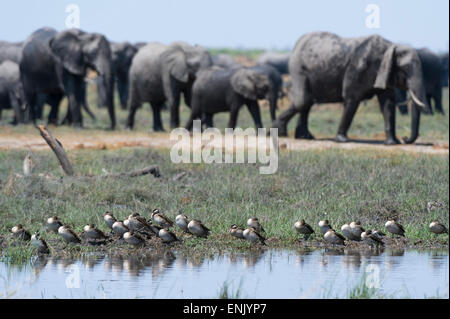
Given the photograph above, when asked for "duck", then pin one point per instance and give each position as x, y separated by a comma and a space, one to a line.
347, 232
438, 228
19, 232
93, 233
252, 235
182, 221
357, 229
395, 228
197, 228
303, 228
237, 231
53, 223
333, 237
68, 235
372, 238
119, 228
161, 219
167, 236
39, 243
133, 238
324, 226
136, 222
109, 219
254, 222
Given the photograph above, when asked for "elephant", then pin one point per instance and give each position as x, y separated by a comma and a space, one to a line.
10, 51
160, 73
226, 90
11, 90
225, 61
55, 63
432, 69
276, 84
122, 55
444, 64
326, 68
279, 61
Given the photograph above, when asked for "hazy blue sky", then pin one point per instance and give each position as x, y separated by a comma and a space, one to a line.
234, 23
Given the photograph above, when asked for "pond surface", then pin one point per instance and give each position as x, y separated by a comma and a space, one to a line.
266, 274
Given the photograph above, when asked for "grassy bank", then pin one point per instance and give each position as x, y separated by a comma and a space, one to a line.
337, 185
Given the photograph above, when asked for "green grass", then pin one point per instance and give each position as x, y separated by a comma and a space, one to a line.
341, 186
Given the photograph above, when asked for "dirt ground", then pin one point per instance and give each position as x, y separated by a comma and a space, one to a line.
110, 140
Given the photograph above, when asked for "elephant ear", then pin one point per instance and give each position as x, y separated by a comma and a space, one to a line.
67, 47
176, 62
385, 69
242, 83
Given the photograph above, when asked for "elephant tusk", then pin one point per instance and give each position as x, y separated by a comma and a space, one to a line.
416, 100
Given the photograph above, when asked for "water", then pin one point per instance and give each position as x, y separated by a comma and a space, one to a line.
269, 274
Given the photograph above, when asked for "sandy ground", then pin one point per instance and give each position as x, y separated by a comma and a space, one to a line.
109, 140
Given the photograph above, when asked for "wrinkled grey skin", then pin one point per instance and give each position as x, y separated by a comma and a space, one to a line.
276, 84
122, 55
226, 90
55, 63
13, 51
10, 51
11, 90
139, 45
159, 74
225, 61
278, 60
432, 70
326, 68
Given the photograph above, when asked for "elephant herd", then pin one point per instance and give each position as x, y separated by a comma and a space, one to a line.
323, 68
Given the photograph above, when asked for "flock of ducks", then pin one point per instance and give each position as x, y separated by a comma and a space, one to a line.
135, 230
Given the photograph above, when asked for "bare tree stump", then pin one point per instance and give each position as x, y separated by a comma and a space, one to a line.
57, 148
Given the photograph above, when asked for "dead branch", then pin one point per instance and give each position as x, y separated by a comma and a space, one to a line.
57, 148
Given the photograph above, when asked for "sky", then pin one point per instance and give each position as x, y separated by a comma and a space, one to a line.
271, 25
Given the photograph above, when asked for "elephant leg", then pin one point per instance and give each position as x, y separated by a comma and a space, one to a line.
234, 112
255, 113
350, 108
187, 97
174, 105
302, 131
122, 88
195, 114
16, 106
54, 100
29, 114
437, 97
387, 107
75, 100
301, 100
208, 117
157, 122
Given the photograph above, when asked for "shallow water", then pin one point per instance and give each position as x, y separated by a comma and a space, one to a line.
267, 274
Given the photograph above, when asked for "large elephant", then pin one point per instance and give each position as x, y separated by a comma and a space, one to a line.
326, 68
279, 61
226, 90
11, 90
10, 51
159, 74
432, 69
122, 56
55, 63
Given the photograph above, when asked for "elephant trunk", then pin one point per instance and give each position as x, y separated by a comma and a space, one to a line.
105, 85
415, 122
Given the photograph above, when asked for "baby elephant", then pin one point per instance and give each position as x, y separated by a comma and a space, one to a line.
218, 90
